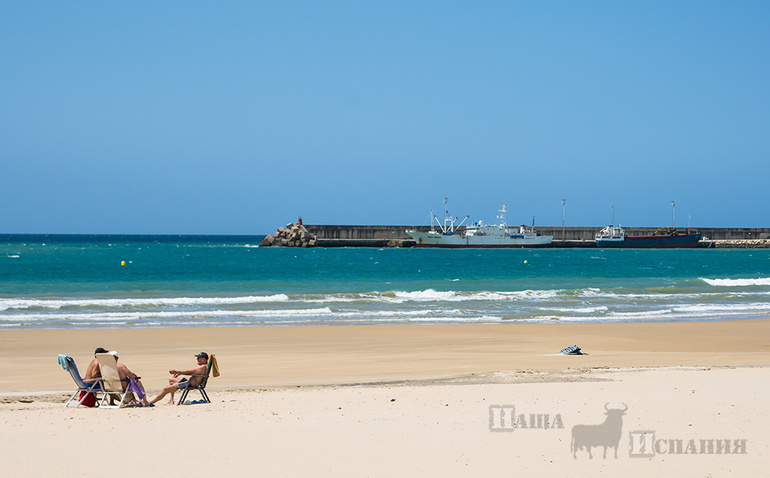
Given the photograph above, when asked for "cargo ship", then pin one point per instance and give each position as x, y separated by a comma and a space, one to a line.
477, 235
665, 237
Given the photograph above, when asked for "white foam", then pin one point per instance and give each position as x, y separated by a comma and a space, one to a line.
724, 309
6, 304
578, 310
427, 295
736, 282
90, 318
591, 292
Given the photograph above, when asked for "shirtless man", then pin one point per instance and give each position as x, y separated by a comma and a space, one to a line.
92, 375
126, 374
93, 372
181, 379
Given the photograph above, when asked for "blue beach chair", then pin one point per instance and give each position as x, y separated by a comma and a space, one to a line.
573, 350
84, 388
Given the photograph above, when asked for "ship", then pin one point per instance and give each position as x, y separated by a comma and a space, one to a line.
478, 235
664, 237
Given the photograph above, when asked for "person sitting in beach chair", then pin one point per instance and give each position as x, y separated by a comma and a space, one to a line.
88, 391
128, 381
181, 379
93, 374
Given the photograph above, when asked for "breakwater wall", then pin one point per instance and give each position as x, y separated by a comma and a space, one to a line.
573, 236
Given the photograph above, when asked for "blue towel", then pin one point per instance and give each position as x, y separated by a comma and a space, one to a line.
64, 362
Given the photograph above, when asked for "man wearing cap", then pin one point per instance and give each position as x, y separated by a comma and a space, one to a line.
181, 379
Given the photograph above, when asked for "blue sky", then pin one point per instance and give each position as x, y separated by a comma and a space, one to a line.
238, 117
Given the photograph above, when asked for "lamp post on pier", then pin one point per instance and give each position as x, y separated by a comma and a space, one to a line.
563, 208
673, 214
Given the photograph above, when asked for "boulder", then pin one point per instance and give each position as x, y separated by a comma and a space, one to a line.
268, 241
293, 235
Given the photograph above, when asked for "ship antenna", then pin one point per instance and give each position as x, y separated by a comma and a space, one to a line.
612, 216
502, 215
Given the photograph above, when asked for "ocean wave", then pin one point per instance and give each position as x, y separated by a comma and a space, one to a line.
736, 282
673, 313
578, 310
151, 315
430, 295
484, 319
725, 309
17, 304
427, 295
560, 299
591, 292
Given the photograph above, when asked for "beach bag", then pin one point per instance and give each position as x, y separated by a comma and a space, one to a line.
87, 399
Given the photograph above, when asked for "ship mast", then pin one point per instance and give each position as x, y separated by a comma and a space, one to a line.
501, 216
449, 222
446, 214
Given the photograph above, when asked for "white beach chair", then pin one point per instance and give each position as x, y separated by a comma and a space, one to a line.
110, 381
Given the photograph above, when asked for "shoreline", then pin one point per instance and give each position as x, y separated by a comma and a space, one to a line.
403, 323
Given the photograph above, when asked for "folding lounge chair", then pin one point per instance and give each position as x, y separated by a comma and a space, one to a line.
68, 364
573, 350
202, 380
111, 383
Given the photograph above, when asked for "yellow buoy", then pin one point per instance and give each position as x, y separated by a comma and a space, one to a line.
525, 261
122, 263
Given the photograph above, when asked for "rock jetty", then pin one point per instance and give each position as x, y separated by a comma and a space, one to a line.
743, 244
293, 235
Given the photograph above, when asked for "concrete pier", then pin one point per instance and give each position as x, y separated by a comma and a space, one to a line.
580, 236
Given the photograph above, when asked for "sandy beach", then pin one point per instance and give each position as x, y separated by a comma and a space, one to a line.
413, 400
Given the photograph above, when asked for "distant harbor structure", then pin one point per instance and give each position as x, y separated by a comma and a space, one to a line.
328, 235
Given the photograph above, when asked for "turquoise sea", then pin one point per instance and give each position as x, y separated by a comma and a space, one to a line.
189, 281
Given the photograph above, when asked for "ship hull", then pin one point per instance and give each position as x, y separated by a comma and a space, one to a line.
451, 241
662, 242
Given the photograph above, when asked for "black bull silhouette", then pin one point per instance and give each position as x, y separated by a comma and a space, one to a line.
606, 435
